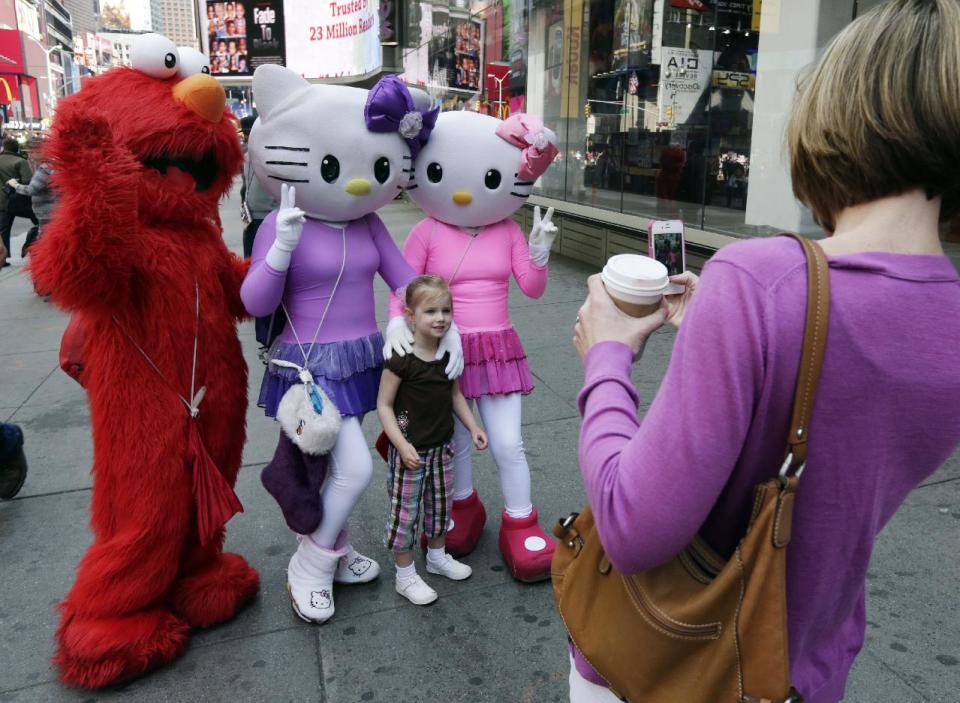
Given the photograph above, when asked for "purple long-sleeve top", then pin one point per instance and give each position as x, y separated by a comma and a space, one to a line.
305, 287
887, 415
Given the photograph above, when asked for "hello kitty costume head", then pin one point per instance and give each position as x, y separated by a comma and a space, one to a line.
347, 150
506, 158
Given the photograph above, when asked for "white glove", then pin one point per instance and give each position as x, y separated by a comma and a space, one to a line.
542, 235
289, 228
451, 343
397, 338
13, 183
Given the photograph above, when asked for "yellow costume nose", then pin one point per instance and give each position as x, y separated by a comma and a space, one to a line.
358, 186
203, 95
462, 197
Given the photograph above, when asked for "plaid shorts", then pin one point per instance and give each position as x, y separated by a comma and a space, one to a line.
430, 484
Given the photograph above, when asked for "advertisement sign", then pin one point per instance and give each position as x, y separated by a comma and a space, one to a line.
572, 65
334, 38
467, 37
125, 15
9, 88
240, 36
28, 19
684, 77
440, 55
389, 22
735, 7
11, 51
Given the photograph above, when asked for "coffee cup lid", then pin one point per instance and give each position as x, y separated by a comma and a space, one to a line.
634, 273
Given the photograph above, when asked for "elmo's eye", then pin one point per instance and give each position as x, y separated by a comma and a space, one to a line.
191, 62
492, 179
330, 168
434, 172
155, 55
381, 169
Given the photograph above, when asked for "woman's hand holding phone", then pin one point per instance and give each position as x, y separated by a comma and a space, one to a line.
677, 304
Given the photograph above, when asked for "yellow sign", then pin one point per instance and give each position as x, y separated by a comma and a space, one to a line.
7, 91
734, 79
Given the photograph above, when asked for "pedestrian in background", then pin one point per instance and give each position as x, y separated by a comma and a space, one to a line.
40, 193
887, 410
12, 166
13, 462
256, 203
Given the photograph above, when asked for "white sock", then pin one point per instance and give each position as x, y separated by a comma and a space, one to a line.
406, 573
519, 514
436, 555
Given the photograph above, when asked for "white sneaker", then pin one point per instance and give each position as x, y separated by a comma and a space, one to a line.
353, 567
449, 567
416, 590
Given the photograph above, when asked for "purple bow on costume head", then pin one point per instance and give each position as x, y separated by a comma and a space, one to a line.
390, 108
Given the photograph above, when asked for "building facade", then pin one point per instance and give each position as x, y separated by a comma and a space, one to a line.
664, 109
179, 22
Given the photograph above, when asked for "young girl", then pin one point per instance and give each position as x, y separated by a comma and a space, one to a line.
416, 405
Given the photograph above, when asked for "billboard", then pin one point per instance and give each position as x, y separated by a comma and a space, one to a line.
125, 15
242, 35
335, 39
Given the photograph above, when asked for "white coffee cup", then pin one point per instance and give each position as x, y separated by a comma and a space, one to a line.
637, 283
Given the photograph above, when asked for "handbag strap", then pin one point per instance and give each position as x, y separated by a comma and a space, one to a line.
811, 355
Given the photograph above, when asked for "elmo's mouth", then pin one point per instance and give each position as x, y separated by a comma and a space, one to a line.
180, 168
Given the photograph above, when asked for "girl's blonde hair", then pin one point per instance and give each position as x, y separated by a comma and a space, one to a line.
879, 114
427, 287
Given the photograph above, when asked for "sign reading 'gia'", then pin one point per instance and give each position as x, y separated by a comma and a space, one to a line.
333, 38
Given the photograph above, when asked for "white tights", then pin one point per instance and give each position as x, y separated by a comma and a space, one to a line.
501, 416
348, 475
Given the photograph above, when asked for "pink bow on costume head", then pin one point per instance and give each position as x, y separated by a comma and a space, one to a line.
537, 144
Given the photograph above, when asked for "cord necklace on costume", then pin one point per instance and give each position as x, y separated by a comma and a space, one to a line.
313, 432
215, 500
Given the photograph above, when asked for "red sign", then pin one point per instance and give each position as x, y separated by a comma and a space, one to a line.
697, 5
11, 51
9, 88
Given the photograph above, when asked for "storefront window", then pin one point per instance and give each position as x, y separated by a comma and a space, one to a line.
652, 100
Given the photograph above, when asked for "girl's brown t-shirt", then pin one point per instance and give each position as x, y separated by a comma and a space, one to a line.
424, 402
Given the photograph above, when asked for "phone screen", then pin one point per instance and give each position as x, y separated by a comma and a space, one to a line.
667, 245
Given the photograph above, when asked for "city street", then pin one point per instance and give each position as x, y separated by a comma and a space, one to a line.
488, 638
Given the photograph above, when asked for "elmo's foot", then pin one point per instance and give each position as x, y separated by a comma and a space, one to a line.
215, 593
526, 548
97, 652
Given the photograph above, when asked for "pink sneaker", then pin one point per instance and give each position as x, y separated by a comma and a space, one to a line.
526, 548
469, 516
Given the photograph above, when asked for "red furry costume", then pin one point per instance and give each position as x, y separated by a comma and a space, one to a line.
141, 164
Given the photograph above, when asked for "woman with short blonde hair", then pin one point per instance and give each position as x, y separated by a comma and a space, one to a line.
875, 146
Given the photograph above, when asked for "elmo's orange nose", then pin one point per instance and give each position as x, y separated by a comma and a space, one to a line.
203, 95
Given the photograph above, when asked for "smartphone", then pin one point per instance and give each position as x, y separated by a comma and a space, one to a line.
667, 245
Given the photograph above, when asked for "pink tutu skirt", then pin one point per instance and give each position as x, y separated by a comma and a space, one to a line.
494, 364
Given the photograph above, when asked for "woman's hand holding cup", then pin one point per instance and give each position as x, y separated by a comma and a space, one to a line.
600, 320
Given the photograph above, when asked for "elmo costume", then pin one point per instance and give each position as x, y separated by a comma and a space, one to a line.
142, 156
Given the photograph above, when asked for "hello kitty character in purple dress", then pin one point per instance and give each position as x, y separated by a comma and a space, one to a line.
332, 155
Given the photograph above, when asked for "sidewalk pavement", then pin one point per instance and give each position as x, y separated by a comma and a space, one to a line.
487, 639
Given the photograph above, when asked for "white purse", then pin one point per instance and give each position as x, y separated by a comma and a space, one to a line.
306, 414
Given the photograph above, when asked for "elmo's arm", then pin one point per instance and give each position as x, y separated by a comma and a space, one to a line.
89, 256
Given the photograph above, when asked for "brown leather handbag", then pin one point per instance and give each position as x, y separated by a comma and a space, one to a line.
700, 628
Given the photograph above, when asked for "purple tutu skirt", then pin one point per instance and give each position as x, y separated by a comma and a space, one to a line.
349, 372
494, 364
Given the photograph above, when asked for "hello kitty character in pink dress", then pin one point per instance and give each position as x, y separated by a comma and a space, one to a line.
475, 172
